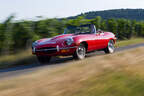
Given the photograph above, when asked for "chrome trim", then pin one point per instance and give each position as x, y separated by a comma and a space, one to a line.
57, 48
95, 29
33, 49
68, 47
46, 49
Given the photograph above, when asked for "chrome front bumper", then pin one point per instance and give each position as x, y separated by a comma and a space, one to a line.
57, 49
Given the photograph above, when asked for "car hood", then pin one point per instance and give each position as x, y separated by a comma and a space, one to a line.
54, 40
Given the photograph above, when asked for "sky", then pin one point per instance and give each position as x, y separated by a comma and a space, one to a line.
30, 9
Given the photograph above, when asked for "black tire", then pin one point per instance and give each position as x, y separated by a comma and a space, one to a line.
80, 52
110, 48
44, 59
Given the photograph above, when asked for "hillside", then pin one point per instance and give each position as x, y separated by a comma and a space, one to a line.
133, 14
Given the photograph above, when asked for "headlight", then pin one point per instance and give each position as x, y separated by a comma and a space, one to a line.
34, 44
69, 41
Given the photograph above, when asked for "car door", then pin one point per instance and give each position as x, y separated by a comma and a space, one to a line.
103, 40
100, 41
97, 41
91, 41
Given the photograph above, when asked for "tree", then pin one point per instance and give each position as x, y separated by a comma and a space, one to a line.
112, 25
128, 32
97, 22
140, 29
7, 39
133, 26
103, 25
121, 29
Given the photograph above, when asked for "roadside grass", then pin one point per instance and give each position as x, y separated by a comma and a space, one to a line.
26, 57
129, 42
108, 75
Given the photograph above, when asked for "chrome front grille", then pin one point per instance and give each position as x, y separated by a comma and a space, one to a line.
47, 50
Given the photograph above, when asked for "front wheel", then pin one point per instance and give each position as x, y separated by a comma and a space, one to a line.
80, 52
44, 59
110, 48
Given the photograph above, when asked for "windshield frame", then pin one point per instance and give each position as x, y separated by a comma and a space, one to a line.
92, 29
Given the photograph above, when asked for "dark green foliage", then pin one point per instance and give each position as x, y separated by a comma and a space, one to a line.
97, 22
132, 14
7, 38
112, 25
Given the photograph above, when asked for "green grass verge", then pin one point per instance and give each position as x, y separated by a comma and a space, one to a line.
129, 42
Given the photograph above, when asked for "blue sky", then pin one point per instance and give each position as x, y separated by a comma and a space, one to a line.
29, 9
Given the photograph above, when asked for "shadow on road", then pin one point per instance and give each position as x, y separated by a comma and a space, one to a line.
54, 61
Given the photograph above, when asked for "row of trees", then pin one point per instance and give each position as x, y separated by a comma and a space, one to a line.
131, 14
15, 36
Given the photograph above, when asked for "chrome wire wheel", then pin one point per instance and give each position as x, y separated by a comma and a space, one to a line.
80, 52
111, 47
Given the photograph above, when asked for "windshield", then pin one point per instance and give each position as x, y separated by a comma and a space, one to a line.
85, 29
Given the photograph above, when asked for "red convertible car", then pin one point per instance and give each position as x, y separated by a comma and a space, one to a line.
75, 41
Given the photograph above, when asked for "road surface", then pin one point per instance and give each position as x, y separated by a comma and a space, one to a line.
56, 62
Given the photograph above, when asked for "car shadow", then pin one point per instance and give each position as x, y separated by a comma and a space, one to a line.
54, 61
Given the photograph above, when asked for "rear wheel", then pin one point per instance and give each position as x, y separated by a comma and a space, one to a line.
110, 48
80, 52
44, 59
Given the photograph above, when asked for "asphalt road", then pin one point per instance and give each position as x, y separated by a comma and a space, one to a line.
55, 62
